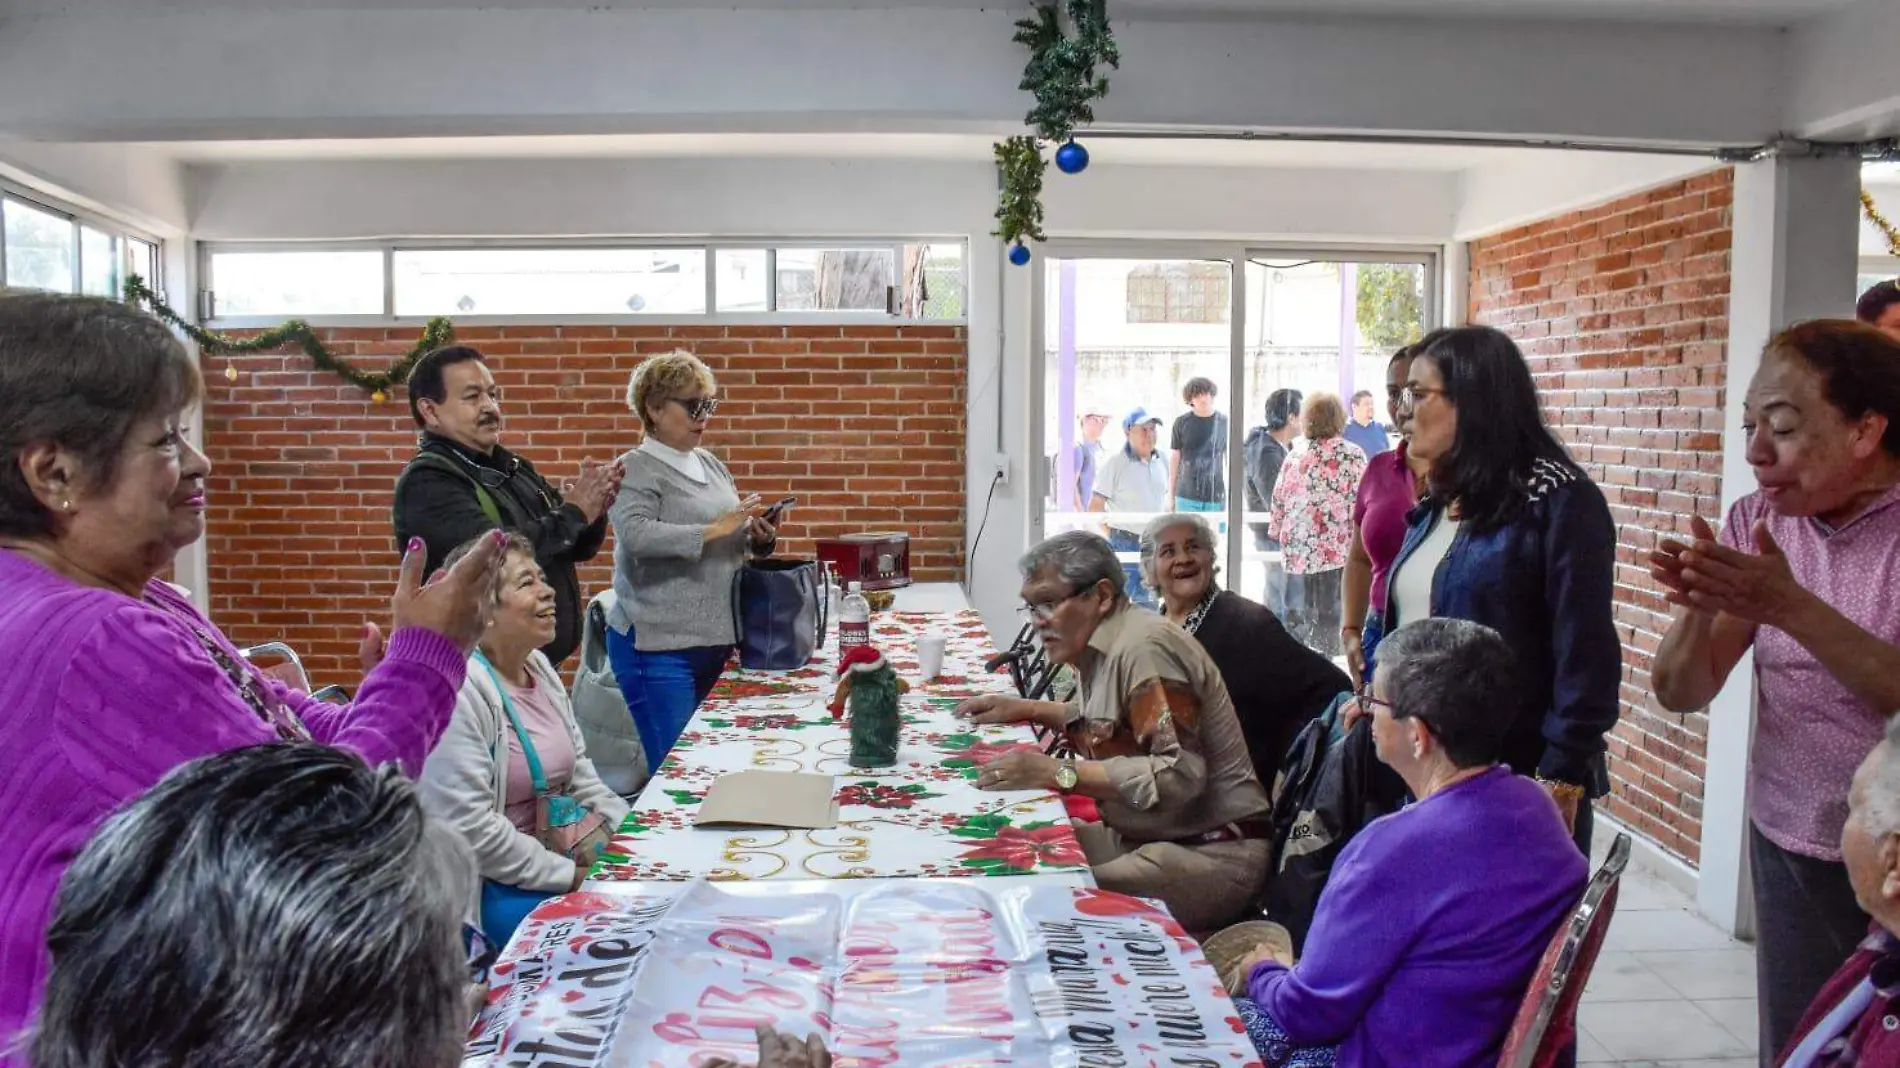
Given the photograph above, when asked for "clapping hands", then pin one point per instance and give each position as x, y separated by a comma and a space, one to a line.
595, 490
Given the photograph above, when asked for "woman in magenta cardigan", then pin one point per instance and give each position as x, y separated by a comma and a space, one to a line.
113, 678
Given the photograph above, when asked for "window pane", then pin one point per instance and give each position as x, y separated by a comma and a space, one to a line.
1331, 328
1099, 368
297, 283
40, 249
1179, 293
740, 284
935, 287
834, 279
514, 281
100, 263
142, 260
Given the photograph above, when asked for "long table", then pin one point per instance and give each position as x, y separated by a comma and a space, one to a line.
873, 934
925, 817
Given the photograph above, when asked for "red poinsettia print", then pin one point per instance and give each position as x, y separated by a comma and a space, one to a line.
733, 688
870, 794
968, 753
1004, 849
775, 722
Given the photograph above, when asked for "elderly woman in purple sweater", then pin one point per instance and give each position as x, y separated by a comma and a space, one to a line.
112, 677
1435, 916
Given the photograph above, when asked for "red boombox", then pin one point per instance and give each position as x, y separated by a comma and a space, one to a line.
880, 561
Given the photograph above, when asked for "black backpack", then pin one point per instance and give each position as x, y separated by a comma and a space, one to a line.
1330, 786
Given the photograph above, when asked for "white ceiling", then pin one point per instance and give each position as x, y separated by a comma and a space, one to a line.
1122, 151
1770, 12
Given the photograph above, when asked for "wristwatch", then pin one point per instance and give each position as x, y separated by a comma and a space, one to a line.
1065, 774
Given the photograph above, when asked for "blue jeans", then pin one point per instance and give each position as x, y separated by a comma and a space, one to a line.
503, 909
1286, 593
663, 689
1123, 541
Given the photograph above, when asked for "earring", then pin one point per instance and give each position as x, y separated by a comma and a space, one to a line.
66, 506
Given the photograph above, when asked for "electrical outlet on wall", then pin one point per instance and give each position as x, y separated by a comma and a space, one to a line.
1000, 468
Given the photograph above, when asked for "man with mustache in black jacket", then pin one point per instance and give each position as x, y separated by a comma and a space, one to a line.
462, 482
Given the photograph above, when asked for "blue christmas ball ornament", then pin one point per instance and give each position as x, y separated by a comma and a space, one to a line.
1072, 158
1019, 255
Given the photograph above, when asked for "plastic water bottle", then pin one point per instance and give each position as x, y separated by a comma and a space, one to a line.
854, 620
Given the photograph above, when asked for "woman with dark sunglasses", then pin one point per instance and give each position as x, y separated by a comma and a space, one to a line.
681, 533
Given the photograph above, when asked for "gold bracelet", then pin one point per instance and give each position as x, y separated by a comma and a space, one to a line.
1562, 791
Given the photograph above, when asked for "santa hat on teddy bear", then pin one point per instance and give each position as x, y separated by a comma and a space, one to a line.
860, 658
856, 660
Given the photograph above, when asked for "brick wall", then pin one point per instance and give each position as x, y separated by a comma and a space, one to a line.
1622, 311
863, 424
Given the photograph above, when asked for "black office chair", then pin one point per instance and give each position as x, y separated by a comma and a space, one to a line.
1034, 675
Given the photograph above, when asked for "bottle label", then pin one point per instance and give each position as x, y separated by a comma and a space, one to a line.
852, 634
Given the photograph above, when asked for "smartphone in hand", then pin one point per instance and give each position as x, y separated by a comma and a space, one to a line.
778, 508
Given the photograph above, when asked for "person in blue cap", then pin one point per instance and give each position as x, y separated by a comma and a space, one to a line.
1134, 480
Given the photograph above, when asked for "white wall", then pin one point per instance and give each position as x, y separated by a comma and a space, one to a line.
1524, 188
1842, 80
170, 74
133, 184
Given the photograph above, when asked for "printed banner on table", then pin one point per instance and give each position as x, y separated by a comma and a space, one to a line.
911, 972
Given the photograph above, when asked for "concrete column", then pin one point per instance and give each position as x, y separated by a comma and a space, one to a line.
1796, 226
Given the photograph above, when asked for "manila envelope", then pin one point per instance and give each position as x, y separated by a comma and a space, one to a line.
769, 799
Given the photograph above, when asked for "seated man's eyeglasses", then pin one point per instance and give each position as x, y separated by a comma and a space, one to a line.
1044, 611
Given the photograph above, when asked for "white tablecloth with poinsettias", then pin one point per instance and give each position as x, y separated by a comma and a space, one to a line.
924, 817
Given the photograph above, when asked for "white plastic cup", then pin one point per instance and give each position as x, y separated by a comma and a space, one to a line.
930, 655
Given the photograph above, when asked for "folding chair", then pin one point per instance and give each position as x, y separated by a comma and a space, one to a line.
283, 664
1546, 1022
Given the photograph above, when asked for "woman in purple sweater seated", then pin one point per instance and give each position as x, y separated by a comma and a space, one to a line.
111, 678
1435, 916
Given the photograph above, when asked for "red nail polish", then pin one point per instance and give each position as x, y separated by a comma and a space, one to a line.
415, 545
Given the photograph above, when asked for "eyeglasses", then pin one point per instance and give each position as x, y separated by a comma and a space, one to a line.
1368, 702
697, 409
1044, 611
1408, 397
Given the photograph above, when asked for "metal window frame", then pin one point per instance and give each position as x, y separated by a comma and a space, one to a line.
711, 316
78, 217
1237, 254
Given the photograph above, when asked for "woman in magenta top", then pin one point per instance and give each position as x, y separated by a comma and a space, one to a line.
1393, 483
114, 678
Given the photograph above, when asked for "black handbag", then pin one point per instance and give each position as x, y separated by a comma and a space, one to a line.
1330, 787
781, 613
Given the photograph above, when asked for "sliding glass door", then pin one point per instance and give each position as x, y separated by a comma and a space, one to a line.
1158, 362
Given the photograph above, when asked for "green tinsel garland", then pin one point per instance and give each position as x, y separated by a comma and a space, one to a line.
435, 334
1019, 215
1061, 70
1061, 73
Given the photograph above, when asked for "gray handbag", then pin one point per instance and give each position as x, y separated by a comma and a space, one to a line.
600, 709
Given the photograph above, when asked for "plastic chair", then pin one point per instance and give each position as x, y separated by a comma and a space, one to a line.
287, 668
1546, 1022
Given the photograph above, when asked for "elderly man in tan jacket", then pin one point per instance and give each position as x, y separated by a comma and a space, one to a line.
1156, 742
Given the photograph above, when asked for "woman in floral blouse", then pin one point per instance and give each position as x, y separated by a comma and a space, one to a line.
1311, 516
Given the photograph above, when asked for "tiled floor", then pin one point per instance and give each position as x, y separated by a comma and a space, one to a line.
1670, 990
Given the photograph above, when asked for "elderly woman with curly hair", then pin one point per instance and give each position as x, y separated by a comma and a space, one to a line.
681, 533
